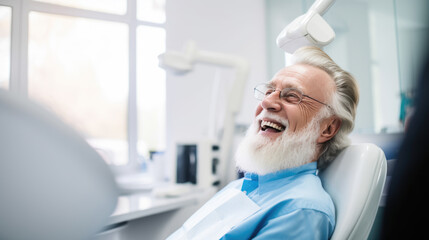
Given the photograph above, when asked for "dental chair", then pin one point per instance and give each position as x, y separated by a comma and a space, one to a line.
53, 185
355, 181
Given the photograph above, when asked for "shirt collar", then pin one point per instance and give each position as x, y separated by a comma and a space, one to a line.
261, 180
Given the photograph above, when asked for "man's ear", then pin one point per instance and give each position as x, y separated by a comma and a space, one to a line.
329, 128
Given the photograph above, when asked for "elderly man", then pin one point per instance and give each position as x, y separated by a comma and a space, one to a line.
302, 122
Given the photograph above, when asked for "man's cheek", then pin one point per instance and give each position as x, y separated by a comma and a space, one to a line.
258, 110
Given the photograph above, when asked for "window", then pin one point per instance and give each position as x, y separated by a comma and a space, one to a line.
108, 6
152, 11
95, 64
151, 95
5, 39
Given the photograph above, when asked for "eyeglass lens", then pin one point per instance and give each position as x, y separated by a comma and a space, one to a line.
290, 95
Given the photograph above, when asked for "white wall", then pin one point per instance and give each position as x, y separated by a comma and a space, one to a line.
365, 45
229, 26
351, 50
385, 66
413, 27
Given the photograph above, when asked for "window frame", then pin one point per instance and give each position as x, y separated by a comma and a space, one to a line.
19, 53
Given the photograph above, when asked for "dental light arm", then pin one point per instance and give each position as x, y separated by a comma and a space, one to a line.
309, 29
182, 62
321, 6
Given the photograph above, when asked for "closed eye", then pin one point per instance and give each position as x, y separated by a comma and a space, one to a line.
291, 96
269, 92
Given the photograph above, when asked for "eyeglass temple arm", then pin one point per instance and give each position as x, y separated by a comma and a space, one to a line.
316, 100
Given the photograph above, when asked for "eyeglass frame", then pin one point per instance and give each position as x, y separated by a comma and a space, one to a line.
257, 91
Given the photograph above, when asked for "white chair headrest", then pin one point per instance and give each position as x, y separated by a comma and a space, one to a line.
355, 181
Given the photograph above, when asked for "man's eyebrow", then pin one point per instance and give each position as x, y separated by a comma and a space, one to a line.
270, 83
290, 85
280, 82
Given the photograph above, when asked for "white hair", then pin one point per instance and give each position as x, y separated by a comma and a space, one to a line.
343, 101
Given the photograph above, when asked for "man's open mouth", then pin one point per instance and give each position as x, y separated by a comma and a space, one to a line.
271, 126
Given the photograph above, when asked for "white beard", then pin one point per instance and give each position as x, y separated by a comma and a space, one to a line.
259, 154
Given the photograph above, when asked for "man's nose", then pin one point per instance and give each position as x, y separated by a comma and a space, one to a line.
272, 102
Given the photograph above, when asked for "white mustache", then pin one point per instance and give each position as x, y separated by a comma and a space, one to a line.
266, 114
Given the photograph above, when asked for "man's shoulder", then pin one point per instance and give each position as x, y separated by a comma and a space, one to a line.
304, 192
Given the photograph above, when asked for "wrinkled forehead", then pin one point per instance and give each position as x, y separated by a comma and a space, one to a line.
309, 79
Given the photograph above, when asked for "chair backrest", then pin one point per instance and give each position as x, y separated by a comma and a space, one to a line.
53, 185
355, 181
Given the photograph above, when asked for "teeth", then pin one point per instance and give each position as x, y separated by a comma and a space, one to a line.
272, 125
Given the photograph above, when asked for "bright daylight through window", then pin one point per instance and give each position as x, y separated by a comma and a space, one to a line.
79, 68
94, 63
5, 39
108, 6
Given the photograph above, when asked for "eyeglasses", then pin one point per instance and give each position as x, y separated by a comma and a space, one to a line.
290, 95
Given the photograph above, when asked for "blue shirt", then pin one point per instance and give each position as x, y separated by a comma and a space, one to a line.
293, 204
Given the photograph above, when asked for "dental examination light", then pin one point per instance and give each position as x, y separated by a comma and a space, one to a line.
309, 29
183, 62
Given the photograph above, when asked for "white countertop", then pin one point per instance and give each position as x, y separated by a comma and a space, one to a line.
146, 203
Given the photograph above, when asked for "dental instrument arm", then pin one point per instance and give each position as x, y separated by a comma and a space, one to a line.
309, 29
321, 6
182, 62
